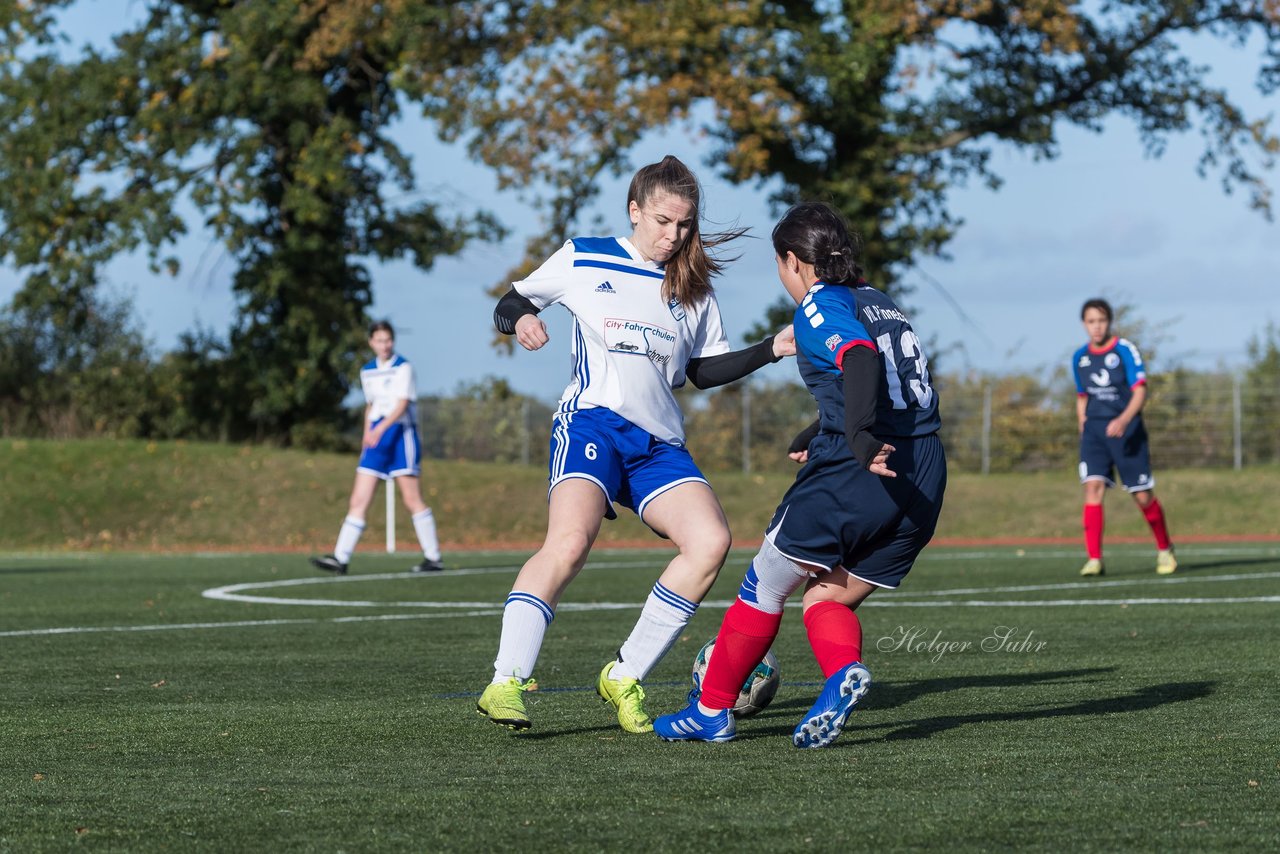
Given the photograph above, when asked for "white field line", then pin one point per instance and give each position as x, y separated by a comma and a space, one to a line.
234, 624
235, 593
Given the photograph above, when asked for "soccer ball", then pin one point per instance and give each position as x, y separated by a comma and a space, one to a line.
757, 692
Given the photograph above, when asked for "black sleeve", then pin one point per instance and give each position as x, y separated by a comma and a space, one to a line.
804, 437
861, 390
510, 309
712, 371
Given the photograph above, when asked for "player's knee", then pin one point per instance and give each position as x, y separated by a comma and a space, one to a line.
567, 551
771, 579
708, 549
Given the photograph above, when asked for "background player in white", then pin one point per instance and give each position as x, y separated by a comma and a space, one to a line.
645, 319
391, 451
1111, 389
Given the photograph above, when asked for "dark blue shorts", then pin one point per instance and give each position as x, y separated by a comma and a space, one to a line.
1101, 456
626, 462
396, 455
839, 514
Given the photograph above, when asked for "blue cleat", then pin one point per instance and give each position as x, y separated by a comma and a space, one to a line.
689, 724
821, 726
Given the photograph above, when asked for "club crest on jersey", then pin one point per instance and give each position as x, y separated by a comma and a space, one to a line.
833, 342
605, 288
677, 310
1111, 360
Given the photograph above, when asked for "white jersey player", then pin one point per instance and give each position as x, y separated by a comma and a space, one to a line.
645, 319
390, 452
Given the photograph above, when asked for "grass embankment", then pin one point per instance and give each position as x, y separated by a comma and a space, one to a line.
133, 495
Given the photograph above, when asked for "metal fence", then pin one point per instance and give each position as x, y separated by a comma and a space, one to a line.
990, 424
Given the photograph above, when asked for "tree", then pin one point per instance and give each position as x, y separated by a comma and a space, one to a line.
878, 106
97, 382
271, 120
1260, 398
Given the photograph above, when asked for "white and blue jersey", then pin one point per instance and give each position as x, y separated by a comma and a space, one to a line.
833, 319
397, 453
630, 346
1107, 376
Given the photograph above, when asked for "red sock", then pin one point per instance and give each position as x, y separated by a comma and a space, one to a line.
1093, 530
1155, 518
745, 636
835, 635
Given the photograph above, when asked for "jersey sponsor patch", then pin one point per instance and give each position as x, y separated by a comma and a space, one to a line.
833, 342
640, 338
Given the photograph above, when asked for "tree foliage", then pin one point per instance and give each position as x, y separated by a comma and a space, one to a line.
99, 381
271, 121
878, 106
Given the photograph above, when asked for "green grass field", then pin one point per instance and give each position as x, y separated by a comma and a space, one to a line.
1131, 712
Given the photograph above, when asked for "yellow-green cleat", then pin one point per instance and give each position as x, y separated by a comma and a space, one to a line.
503, 703
1093, 566
627, 696
1166, 563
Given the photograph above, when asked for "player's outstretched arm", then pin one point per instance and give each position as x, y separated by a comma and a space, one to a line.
712, 371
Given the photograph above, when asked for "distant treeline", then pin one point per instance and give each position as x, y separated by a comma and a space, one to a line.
106, 380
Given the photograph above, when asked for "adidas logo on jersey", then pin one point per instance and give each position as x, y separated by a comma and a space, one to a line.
605, 288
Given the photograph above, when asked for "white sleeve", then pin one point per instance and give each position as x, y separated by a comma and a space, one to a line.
547, 284
710, 339
403, 384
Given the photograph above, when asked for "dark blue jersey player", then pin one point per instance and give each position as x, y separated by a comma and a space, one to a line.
864, 504
1111, 387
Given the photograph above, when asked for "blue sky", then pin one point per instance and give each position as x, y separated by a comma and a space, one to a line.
1196, 264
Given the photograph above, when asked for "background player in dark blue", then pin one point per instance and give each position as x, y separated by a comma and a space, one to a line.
1111, 388
864, 504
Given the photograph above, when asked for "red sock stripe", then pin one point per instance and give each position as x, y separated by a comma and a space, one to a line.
835, 634
745, 636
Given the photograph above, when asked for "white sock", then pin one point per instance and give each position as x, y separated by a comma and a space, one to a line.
664, 617
348, 536
524, 624
425, 524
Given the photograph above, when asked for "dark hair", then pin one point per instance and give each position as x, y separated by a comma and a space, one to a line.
1101, 305
382, 326
817, 234
689, 270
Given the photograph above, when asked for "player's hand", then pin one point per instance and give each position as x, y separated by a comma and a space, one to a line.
371, 438
1116, 427
531, 332
880, 462
800, 456
784, 342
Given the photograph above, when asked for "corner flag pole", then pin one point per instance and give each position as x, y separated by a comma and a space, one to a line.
391, 515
